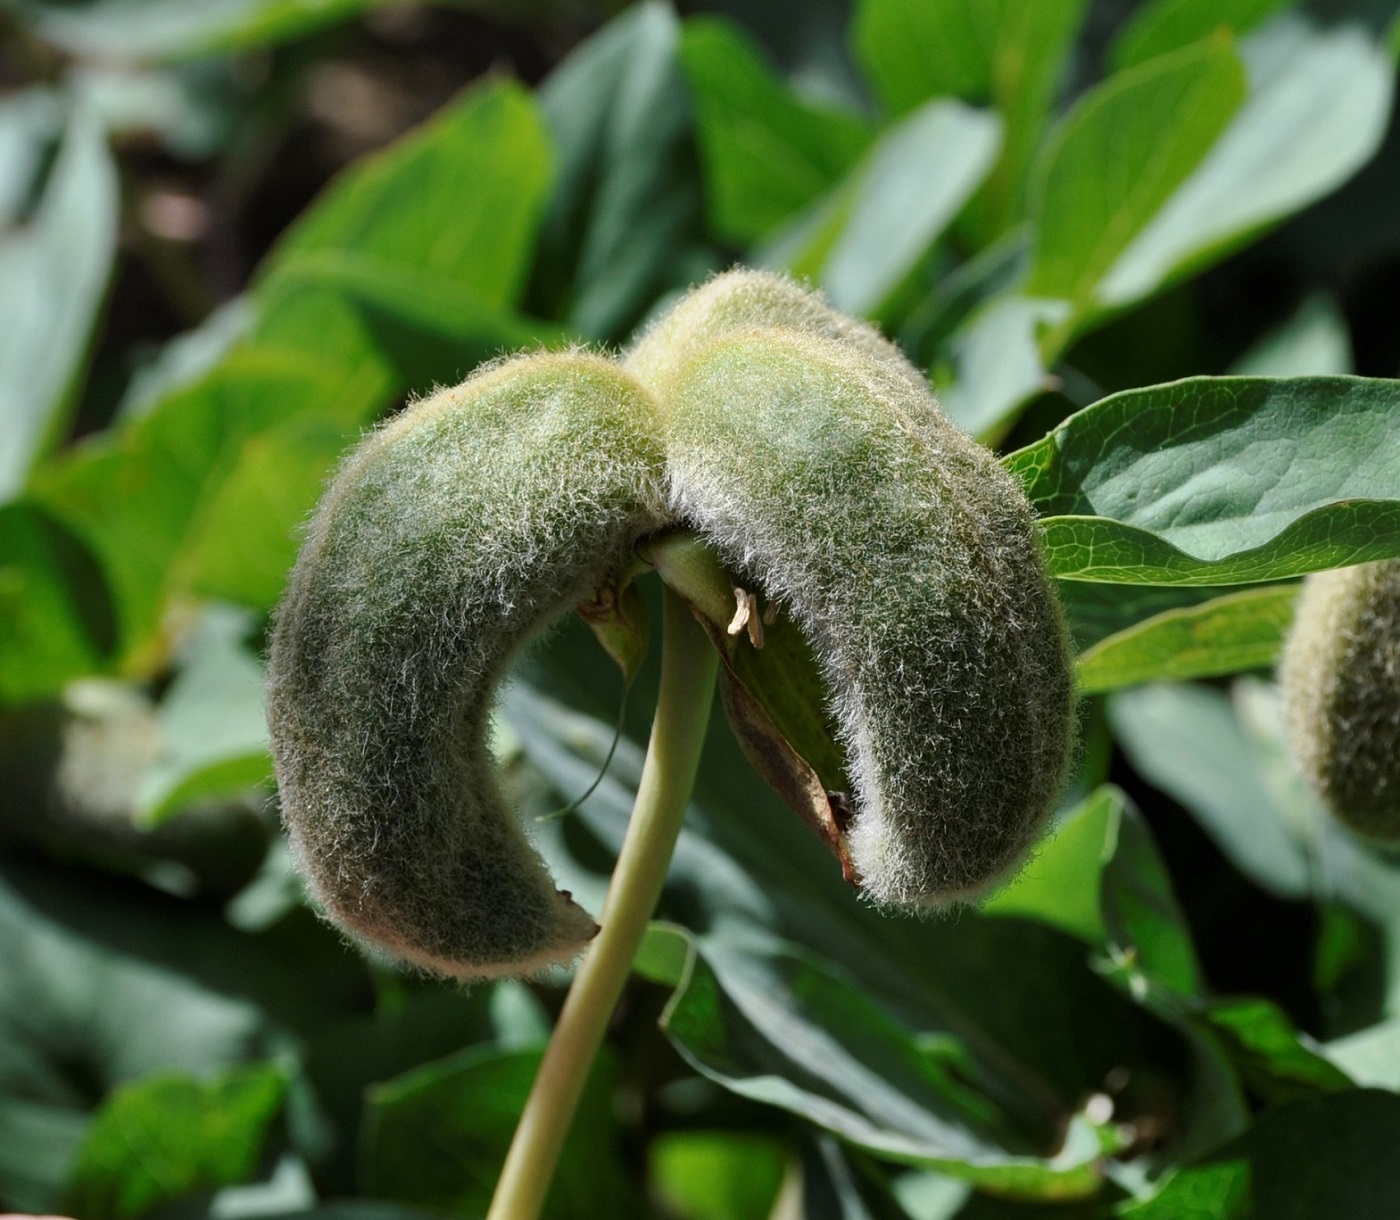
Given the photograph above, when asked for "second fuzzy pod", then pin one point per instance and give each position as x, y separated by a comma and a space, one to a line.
813, 457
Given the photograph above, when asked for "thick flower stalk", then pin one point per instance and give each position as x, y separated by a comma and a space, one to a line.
1340, 675
447, 540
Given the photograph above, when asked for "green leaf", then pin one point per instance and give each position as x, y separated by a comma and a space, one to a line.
1059, 885
1238, 631
1332, 1156
999, 51
1220, 481
437, 1136
169, 1135
1245, 790
1318, 107
460, 197
1163, 26
213, 731
716, 1175
132, 495
104, 982
1314, 342
1275, 1060
781, 1027
1095, 612
168, 29
56, 615
1119, 157
1370, 1057
242, 545
1041, 1028
1159, 726
626, 201
1147, 932
54, 267
997, 363
767, 153
429, 329
902, 196
663, 955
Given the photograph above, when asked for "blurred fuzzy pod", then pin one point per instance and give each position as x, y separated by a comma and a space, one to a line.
1340, 676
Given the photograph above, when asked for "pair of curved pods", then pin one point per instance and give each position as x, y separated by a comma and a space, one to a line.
811, 456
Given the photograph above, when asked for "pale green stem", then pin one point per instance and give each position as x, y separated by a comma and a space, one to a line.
677, 734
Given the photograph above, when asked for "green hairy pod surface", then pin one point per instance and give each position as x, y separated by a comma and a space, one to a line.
809, 454
448, 539
1340, 675
808, 451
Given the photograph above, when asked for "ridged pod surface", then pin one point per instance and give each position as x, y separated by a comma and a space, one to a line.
1340, 675
447, 540
813, 457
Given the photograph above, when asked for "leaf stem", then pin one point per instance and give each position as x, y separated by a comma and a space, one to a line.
668, 776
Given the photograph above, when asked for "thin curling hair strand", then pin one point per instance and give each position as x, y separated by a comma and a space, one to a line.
447, 540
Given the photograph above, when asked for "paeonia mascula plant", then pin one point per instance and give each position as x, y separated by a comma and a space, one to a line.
810, 455
932, 989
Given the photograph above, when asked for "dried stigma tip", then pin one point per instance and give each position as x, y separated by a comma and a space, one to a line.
1340, 674
446, 541
812, 456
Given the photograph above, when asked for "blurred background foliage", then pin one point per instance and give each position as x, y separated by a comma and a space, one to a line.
235, 233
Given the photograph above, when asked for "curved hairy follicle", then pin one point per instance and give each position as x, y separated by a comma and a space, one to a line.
814, 458
1340, 675
446, 541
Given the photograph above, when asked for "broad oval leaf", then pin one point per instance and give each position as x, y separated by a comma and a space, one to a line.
54, 268
1220, 481
904, 194
1318, 107
1119, 156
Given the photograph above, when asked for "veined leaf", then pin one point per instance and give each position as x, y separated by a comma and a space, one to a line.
1220, 481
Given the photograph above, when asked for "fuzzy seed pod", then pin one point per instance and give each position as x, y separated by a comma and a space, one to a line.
808, 451
448, 539
1340, 675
